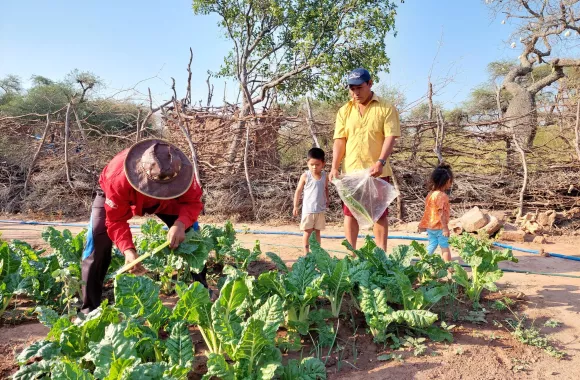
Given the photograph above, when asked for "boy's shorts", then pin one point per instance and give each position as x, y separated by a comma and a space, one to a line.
347, 212
312, 222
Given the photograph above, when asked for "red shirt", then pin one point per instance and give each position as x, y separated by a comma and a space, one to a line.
123, 202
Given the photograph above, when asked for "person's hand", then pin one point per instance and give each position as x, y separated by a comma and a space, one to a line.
333, 174
377, 169
446, 232
132, 255
176, 235
295, 211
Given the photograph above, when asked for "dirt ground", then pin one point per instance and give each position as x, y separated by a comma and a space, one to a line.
481, 351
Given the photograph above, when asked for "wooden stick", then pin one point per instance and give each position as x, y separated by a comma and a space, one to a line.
310, 121
133, 263
66, 133
577, 130
44, 134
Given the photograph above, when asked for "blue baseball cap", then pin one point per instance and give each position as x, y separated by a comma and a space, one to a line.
358, 76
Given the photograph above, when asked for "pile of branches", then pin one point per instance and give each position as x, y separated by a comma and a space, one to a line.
47, 174
486, 174
50, 165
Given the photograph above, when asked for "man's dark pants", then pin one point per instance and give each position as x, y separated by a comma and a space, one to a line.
97, 255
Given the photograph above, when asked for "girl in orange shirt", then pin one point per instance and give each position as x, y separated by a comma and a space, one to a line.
436, 217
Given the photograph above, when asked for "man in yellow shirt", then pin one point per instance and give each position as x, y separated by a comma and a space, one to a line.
364, 136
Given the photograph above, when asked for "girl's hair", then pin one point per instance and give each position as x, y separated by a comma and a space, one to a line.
440, 176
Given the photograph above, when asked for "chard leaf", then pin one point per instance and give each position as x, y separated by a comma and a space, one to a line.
252, 341
418, 249
460, 276
312, 369
302, 275
489, 278
268, 371
193, 250
218, 367
272, 313
224, 312
46, 316
179, 346
338, 281
40, 349
194, 306
146, 371
359, 273
324, 262
93, 327
437, 334
434, 294
415, 318
69, 370
280, 265
120, 368
10, 261
377, 312
71, 342
308, 369
65, 246
115, 345
411, 299
57, 328
35, 370
176, 373
402, 255
269, 282
474, 261
138, 296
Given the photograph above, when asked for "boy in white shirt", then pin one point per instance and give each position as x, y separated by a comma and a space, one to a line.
313, 186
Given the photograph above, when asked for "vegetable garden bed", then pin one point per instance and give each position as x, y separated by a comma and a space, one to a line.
321, 317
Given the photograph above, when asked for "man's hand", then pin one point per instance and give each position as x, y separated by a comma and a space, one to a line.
446, 232
377, 169
295, 211
176, 235
333, 174
132, 255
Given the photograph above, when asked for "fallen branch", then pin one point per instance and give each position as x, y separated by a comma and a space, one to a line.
35, 157
66, 135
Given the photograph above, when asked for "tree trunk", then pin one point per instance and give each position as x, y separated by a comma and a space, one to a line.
525, 179
577, 130
46, 129
238, 132
310, 121
246, 169
521, 116
400, 206
66, 134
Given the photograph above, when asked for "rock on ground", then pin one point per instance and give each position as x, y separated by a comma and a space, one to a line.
473, 220
493, 226
512, 233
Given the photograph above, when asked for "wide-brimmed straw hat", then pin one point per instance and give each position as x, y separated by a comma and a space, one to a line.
158, 169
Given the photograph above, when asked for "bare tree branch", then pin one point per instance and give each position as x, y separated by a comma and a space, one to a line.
35, 157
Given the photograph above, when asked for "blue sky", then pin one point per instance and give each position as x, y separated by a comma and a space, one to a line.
126, 42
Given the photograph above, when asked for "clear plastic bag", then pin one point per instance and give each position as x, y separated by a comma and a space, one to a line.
366, 197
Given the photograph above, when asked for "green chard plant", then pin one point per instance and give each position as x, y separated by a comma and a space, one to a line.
483, 260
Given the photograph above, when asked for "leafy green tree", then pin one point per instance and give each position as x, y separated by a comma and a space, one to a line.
11, 87
49, 96
294, 47
392, 94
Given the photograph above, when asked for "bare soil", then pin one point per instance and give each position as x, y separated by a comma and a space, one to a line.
479, 351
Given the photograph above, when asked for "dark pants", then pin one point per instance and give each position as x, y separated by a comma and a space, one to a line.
97, 255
